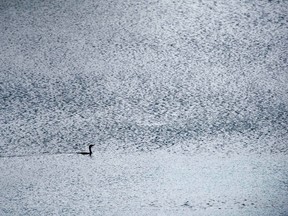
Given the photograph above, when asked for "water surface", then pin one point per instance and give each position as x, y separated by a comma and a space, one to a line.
144, 184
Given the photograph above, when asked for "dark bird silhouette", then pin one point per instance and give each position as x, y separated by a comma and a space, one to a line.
87, 153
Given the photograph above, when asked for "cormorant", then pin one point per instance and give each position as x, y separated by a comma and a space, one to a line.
87, 153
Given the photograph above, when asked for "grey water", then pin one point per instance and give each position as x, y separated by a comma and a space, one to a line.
142, 184
139, 78
142, 75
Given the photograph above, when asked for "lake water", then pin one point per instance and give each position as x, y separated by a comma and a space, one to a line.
185, 101
158, 183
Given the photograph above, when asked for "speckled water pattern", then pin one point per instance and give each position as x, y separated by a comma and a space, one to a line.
185, 77
141, 74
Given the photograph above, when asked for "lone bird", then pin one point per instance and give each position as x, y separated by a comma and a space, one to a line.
87, 153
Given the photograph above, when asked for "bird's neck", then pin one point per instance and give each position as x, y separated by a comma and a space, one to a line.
90, 150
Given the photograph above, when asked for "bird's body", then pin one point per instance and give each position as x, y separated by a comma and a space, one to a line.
87, 153
84, 153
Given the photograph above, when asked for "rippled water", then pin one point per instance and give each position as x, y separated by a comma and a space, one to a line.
142, 184
154, 85
74, 74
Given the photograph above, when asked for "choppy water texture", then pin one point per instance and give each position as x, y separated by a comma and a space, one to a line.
149, 83
144, 184
149, 74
